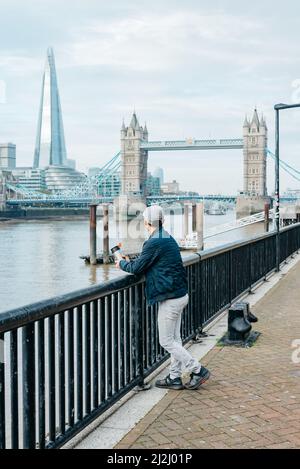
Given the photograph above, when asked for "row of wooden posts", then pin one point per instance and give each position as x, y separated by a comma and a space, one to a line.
197, 226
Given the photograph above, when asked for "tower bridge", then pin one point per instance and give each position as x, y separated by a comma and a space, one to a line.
135, 147
132, 162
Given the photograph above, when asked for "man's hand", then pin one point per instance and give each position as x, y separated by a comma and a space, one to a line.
117, 263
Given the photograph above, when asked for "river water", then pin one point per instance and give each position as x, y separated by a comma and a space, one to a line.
39, 259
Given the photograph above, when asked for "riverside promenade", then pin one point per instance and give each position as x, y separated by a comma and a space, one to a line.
253, 397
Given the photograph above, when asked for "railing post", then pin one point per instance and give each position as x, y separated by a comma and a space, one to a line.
196, 304
231, 270
14, 405
250, 268
29, 440
41, 383
265, 259
2, 394
139, 316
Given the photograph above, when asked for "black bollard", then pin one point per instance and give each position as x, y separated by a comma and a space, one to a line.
238, 325
249, 316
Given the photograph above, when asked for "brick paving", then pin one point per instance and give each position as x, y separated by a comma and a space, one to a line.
253, 397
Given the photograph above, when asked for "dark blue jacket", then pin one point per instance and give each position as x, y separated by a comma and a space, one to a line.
162, 265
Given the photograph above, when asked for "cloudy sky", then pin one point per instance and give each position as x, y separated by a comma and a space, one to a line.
189, 70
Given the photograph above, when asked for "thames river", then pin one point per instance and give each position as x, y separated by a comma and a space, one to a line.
41, 258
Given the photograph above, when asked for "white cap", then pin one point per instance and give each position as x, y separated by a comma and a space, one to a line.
153, 214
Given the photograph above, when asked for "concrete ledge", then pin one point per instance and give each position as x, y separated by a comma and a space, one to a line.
106, 431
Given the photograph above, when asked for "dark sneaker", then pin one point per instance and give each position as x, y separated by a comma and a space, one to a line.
251, 317
168, 383
198, 378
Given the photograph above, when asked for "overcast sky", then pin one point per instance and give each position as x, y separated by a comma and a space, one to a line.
189, 70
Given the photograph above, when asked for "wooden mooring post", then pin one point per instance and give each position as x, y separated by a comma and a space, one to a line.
199, 225
185, 220
194, 214
93, 234
267, 217
105, 233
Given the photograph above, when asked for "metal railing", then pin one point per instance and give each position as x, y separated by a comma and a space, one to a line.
68, 359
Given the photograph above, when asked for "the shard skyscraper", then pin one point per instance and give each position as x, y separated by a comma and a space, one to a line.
50, 149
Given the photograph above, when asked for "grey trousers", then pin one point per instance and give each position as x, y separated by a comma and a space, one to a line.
169, 321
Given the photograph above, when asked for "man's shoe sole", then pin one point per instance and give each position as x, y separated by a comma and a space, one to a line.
176, 387
202, 381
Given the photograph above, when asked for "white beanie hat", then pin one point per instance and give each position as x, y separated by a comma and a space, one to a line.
153, 214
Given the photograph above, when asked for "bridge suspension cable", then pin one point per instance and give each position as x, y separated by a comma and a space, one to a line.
285, 166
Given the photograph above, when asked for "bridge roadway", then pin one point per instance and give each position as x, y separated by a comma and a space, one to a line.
89, 200
193, 144
80, 201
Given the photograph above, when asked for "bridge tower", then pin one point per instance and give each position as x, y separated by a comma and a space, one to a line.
254, 195
3, 196
133, 167
133, 159
5, 177
255, 136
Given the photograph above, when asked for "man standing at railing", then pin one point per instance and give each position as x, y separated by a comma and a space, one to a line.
166, 284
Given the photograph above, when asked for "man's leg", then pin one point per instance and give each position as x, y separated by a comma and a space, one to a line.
169, 318
168, 330
176, 366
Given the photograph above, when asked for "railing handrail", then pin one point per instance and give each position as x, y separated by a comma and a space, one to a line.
18, 317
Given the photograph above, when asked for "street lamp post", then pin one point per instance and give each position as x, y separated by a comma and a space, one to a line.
278, 108
277, 187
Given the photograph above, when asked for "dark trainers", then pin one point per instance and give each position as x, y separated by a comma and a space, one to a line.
198, 378
168, 383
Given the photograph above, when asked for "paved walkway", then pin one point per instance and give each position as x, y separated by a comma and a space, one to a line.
253, 397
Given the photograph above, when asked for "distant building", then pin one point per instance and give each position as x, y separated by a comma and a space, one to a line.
110, 186
52, 178
30, 178
93, 171
152, 185
159, 173
50, 148
5, 177
71, 163
170, 187
7, 155
60, 178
